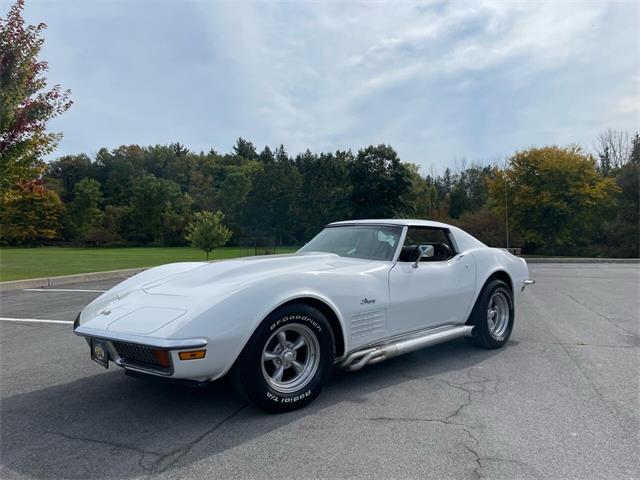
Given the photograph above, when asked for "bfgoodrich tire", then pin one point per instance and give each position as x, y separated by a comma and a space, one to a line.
288, 359
493, 316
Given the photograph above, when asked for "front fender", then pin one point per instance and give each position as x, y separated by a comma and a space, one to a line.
492, 260
230, 336
228, 321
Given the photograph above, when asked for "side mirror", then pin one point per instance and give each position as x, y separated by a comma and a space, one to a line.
424, 251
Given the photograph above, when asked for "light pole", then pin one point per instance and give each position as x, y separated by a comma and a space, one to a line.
506, 212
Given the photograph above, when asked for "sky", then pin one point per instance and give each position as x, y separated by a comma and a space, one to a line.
441, 82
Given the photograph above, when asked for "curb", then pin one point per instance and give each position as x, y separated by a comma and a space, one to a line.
581, 260
67, 279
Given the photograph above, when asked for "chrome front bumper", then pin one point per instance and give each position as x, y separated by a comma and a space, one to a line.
140, 339
527, 282
115, 343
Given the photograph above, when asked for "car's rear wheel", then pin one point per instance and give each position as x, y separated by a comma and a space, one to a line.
288, 359
493, 316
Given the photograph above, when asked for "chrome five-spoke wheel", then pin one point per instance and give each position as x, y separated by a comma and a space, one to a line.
287, 360
498, 314
290, 358
492, 316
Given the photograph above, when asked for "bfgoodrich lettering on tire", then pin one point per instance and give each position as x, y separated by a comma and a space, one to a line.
493, 316
288, 359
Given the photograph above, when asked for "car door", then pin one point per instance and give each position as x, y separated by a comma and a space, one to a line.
438, 291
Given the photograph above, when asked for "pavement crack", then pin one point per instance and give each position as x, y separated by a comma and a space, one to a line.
594, 345
627, 431
140, 451
409, 419
464, 404
604, 317
477, 459
474, 386
468, 389
425, 420
170, 458
464, 387
110, 443
481, 460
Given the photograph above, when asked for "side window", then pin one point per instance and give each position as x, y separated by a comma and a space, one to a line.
437, 237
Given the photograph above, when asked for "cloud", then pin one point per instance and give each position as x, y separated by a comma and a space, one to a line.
436, 80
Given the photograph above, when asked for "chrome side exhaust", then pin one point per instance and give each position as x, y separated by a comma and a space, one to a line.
367, 356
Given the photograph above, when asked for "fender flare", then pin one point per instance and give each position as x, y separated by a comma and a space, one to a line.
290, 298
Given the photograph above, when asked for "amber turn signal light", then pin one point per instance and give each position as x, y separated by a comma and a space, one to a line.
192, 354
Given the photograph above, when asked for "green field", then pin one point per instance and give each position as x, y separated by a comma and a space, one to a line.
21, 263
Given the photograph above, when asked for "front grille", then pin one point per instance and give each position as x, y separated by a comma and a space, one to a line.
133, 354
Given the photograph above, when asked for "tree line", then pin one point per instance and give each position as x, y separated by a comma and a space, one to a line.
555, 200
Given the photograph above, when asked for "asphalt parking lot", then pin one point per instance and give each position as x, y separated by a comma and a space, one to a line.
560, 401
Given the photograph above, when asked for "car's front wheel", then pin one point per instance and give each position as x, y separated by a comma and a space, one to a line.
288, 359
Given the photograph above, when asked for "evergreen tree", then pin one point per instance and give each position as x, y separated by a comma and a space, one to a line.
84, 212
381, 184
245, 149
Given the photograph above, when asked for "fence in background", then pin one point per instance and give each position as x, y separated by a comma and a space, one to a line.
251, 246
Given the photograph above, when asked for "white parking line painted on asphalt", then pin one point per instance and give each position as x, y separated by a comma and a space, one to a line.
61, 290
34, 320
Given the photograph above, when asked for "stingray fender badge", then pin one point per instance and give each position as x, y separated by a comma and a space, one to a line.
367, 301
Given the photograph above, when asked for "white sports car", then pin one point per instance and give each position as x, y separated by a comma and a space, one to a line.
358, 293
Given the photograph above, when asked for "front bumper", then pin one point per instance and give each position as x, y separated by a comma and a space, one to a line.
140, 339
526, 283
141, 354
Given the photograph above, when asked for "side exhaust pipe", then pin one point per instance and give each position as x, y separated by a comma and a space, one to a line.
367, 356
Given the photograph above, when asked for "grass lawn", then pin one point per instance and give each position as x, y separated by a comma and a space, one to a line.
21, 263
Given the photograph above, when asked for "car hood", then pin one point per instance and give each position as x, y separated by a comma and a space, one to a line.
149, 301
236, 273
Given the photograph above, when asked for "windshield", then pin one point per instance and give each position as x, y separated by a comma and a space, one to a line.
371, 242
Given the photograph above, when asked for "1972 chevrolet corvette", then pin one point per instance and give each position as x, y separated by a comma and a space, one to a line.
358, 293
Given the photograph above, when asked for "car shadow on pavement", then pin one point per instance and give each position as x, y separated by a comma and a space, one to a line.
112, 426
